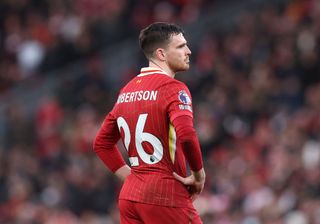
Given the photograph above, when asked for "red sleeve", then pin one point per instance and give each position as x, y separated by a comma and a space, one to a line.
188, 139
105, 144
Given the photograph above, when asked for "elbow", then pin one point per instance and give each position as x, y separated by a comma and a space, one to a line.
187, 136
100, 144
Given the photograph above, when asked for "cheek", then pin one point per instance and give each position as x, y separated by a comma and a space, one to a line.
173, 58
177, 58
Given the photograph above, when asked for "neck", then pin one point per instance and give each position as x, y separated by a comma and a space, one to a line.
163, 66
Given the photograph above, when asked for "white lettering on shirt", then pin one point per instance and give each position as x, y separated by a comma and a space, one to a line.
129, 97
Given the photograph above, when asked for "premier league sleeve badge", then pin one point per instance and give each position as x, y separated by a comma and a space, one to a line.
185, 100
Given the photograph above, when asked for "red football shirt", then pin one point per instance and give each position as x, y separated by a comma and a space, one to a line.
144, 112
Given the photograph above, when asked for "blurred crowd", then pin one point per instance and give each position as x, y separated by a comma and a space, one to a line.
37, 36
256, 98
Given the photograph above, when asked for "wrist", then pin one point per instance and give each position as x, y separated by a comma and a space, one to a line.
123, 172
199, 175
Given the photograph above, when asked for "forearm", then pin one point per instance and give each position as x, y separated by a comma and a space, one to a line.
105, 144
111, 157
191, 150
188, 139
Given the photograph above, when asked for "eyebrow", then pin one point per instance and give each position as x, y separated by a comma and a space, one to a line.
182, 44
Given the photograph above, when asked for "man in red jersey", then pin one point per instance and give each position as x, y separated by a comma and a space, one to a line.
153, 116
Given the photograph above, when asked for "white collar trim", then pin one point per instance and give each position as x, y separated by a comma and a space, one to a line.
150, 71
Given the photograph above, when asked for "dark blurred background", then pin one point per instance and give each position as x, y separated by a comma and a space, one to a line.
256, 93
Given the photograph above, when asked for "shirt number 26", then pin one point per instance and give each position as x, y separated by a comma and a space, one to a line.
140, 137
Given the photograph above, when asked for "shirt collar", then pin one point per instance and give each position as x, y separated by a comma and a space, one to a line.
151, 70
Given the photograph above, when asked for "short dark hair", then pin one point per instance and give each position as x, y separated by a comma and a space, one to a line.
157, 35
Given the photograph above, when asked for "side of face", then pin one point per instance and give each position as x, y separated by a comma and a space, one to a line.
177, 53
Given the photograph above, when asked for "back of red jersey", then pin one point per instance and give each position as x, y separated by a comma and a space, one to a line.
144, 111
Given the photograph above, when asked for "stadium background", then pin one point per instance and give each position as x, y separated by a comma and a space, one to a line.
256, 92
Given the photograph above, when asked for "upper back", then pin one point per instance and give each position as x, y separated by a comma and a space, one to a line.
143, 112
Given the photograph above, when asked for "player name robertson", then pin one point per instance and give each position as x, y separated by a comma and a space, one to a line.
137, 96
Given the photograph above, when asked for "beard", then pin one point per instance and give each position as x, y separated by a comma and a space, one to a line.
179, 66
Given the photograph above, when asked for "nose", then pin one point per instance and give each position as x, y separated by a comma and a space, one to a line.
188, 51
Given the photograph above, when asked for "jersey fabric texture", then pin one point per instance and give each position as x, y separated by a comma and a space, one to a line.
143, 118
157, 99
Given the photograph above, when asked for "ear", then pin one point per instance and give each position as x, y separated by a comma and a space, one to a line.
160, 54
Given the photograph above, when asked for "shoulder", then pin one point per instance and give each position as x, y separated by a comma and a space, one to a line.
176, 90
173, 83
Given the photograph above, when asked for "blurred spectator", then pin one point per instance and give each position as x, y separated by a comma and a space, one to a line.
48, 121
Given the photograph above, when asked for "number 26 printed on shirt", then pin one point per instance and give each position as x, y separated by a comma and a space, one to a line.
140, 137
